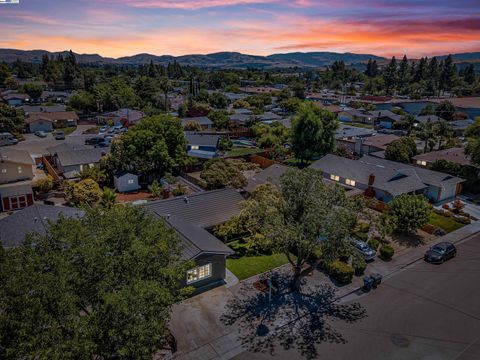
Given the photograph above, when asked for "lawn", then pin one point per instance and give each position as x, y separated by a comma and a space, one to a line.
445, 223
67, 130
361, 125
247, 266
235, 152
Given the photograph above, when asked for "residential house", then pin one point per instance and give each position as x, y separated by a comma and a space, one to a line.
386, 179
459, 126
125, 181
364, 145
202, 146
191, 217
356, 115
423, 119
15, 165
204, 122
46, 121
271, 174
33, 219
453, 155
347, 132
16, 99
125, 117
70, 163
385, 118
28, 109
16, 173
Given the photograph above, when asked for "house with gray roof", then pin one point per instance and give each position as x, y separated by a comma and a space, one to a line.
202, 146
191, 217
71, 162
204, 122
387, 179
271, 174
33, 219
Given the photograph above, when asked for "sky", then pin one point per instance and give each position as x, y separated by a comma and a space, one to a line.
118, 28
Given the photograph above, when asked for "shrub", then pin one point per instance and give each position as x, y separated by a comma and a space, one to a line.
463, 220
359, 265
429, 228
446, 207
373, 243
45, 184
411, 212
457, 206
317, 253
362, 227
179, 190
386, 252
341, 272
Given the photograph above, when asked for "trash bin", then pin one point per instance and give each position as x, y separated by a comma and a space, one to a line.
377, 279
367, 283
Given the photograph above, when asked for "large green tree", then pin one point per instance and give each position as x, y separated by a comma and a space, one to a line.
401, 150
313, 131
11, 119
152, 146
97, 287
296, 217
409, 212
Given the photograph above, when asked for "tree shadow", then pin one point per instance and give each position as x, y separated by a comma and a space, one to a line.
409, 239
291, 319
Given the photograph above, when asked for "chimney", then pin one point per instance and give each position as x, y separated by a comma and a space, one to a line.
358, 145
186, 200
371, 179
35, 219
168, 216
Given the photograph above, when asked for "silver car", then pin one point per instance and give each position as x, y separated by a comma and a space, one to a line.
366, 251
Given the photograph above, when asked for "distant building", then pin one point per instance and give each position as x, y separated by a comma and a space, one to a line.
453, 155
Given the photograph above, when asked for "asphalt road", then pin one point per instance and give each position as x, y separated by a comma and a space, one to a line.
424, 312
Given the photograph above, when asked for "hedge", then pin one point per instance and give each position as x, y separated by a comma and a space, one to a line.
341, 272
386, 252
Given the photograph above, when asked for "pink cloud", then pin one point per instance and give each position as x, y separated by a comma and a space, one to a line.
191, 4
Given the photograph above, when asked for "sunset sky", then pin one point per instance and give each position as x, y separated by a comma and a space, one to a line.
176, 27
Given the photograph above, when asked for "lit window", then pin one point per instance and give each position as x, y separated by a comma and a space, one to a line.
199, 273
19, 169
194, 147
91, 166
424, 163
4, 171
130, 181
334, 177
350, 182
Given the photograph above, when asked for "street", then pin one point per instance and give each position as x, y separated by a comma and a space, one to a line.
422, 312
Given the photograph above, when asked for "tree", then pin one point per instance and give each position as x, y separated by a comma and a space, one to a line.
474, 129
11, 119
34, 91
403, 75
109, 197
294, 217
102, 285
85, 192
4, 74
445, 110
151, 147
82, 101
218, 100
443, 131
469, 74
96, 174
473, 149
45, 184
290, 105
448, 74
427, 110
221, 173
156, 189
390, 75
425, 132
401, 150
192, 126
219, 118
410, 212
313, 131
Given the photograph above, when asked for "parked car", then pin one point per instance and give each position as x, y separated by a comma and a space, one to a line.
41, 133
59, 135
103, 143
7, 139
93, 140
366, 251
109, 137
440, 253
111, 130
103, 129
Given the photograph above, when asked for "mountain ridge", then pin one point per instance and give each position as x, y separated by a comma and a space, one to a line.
220, 59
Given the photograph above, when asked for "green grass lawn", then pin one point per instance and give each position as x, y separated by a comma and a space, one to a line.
242, 152
360, 125
445, 223
66, 130
247, 266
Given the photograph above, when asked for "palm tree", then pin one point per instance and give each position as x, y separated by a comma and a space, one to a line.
443, 131
109, 197
425, 132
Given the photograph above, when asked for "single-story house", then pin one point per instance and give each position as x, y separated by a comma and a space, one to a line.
459, 126
204, 122
347, 132
191, 217
33, 219
387, 179
385, 118
28, 109
125, 117
453, 155
367, 144
70, 163
423, 119
15, 165
15, 196
16, 99
45, 121
271, 174
125, 181
202, 146
354, 115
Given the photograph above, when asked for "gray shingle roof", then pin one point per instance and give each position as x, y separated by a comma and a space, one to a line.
201, 120
190, 216
65, 147
271, 174
16, 156
35, 218
392, 177
200, 139
77, 157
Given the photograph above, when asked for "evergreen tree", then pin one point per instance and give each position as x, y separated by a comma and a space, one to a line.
390, 75
469, 74
448, 74
403, 76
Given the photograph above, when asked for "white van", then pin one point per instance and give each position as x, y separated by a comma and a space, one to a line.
7, 139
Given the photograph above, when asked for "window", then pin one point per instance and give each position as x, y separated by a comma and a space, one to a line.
91, 165
130, 181
350, 182
4, 171
194, 147
421, 162
199, 273
19, 169
334, 177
